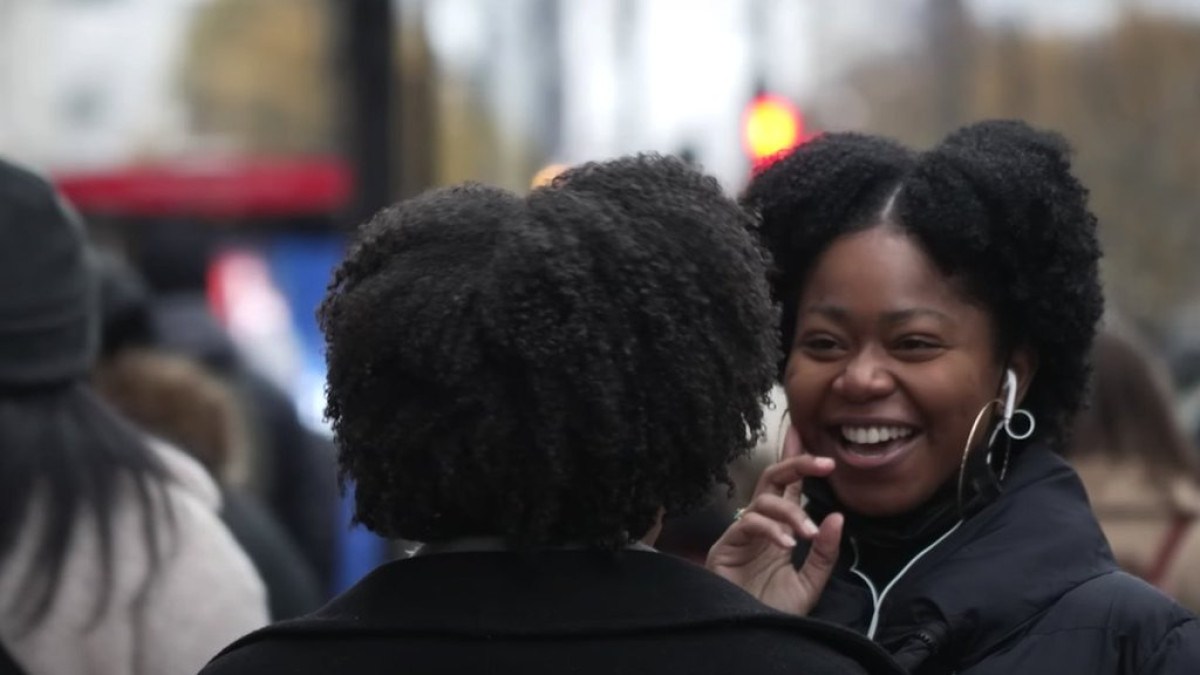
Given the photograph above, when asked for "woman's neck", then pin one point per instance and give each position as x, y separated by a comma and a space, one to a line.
885, 544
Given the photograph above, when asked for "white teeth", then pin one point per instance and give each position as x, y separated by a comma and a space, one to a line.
875, 434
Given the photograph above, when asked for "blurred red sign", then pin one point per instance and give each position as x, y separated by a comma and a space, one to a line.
214, 189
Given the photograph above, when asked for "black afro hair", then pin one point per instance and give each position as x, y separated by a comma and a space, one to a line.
549, 369
995, 205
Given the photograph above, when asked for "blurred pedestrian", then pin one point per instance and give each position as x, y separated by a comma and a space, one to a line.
291, 468
938, 308
177, 400
112, 559
1140, 470
527, 385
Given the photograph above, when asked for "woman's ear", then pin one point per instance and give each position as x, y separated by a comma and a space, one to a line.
1023, 362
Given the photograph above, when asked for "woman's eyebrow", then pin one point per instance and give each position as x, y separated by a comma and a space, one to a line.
840, 313
903, 315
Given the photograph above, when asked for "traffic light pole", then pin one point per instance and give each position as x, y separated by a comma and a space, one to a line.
368, 37
367, 32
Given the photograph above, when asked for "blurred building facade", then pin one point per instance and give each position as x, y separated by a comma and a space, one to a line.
90, 82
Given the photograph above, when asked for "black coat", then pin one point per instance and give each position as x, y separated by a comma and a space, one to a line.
561, 612
292, 586
1028, 585
8, 666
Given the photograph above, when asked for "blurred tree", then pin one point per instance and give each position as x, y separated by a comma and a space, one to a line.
262, 76
1128, 100
464, 133
414, 87
258, 74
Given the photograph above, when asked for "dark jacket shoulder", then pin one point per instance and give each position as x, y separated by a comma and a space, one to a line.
573, 611
1027, 585
1147, 631
1126, 604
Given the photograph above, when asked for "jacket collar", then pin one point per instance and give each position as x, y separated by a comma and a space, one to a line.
552, 594
560, 592
1007, 564
497, 544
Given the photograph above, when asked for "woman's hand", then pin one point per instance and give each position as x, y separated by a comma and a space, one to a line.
756, 551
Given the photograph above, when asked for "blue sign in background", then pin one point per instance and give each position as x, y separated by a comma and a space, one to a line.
301, 266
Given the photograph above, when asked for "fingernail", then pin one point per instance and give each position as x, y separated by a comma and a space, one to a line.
824, 462
810, 528
789, 541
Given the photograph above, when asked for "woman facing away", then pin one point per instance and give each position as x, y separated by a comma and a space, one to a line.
938, 308
527, 385
112, 558
1139, 468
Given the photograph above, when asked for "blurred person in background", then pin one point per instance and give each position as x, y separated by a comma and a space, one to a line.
178, 401
938, 308
526, 385
1139, 468
112, 558
290, 467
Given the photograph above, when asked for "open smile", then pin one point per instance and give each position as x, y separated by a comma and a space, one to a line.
872, 446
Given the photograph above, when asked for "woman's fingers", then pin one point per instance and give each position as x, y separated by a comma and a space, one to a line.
786, 511
777, 477
754, 525
770, 518
822, 557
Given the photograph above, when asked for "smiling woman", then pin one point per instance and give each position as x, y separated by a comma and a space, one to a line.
925, 297
890, 367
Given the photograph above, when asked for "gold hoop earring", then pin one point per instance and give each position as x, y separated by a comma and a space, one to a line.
962, 469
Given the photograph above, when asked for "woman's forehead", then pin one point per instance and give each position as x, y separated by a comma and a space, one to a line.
882, 268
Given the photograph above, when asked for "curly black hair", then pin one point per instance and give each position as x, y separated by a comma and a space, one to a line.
997, 208
548, 369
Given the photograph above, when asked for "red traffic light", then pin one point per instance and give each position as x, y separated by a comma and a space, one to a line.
770, 125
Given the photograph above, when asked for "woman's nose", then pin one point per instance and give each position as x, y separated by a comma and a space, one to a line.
865, 377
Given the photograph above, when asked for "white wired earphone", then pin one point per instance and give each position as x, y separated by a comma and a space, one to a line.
1011, 409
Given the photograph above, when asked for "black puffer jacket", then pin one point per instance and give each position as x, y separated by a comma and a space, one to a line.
1027, 585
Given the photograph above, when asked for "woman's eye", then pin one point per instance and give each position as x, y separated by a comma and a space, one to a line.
918, 344
819, 344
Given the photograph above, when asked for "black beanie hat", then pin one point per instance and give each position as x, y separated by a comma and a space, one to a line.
47, 295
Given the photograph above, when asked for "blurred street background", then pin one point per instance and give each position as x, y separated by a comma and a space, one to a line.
222, 148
